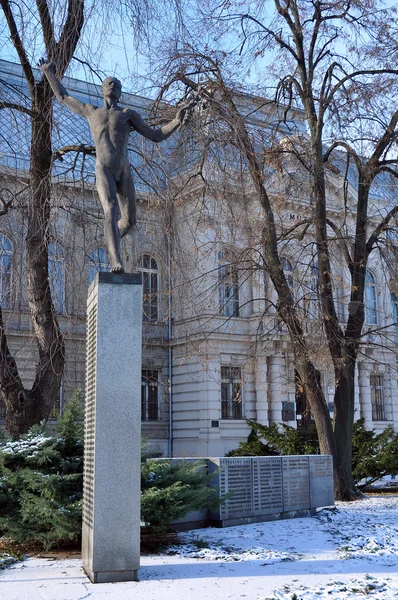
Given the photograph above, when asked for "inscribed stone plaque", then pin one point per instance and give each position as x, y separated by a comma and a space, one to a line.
89, 416
321, 480
296, 483
236, 480
267, 485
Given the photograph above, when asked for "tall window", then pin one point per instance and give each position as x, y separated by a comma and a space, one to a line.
231, 393
98, 262
149, 396
394, 306
370, 299
288, 408
313, 304
377, 397
288, 271
5, 271
150, 287
228, 284
56, 272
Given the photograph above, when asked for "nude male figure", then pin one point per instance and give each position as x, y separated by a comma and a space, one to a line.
110, 127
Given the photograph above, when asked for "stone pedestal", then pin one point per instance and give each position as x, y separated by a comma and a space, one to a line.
111, 497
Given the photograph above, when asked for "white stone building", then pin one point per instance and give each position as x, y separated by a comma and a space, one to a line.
214, 351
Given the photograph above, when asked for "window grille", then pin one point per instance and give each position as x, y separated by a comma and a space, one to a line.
377, 397
231, 393
150, 396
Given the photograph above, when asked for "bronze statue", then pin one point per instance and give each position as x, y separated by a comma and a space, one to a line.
110, 127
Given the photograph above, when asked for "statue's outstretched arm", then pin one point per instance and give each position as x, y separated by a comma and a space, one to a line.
48, 68
182, 117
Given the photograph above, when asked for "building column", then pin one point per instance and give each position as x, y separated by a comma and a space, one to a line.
275, 388
261, 390
394, 395
365, 398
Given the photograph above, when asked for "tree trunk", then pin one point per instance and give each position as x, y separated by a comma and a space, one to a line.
28, 407
343, 427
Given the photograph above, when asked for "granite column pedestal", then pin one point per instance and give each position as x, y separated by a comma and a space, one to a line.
111, 497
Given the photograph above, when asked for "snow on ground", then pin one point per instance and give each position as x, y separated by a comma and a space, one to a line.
346, 552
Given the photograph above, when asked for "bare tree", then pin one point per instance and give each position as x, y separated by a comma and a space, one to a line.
310, 74
26, 407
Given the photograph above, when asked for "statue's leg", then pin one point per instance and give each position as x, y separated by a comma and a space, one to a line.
127, 201
106, 187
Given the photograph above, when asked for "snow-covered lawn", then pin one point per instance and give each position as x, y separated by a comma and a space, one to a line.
350, 551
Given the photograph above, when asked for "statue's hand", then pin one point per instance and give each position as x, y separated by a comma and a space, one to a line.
185, 112
45, 66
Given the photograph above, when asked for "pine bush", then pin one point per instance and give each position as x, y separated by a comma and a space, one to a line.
374, 455
170, 490
41, 482
41, 486
275, 440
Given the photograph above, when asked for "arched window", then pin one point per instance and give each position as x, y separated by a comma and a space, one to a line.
228, 284
288, 271
370, 299
150, 288
56, 273
98, 261
6, 251
394, 306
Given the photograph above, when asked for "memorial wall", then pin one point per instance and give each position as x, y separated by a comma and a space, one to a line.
265, 488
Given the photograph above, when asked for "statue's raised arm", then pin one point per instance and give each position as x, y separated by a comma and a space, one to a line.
182, 117
48, 69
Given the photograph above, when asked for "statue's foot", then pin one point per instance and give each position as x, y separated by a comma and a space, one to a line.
117, 268
124, 226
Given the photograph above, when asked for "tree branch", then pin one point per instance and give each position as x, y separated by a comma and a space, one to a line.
18, 45
382, 226
70, 35
341, 239
47, 27
59, 154
351, 76
19, 107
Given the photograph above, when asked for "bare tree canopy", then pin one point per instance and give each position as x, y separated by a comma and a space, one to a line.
332, 62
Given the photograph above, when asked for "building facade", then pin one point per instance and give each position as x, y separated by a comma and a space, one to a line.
214, 351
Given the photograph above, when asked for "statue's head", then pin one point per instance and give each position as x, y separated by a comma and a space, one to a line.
111, 87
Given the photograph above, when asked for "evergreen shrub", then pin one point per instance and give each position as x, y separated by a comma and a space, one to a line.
170, 490
41, 486
374, 455
41, 481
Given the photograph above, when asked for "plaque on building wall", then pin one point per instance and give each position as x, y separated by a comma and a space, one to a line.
296, 483
267, 485
236, 479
